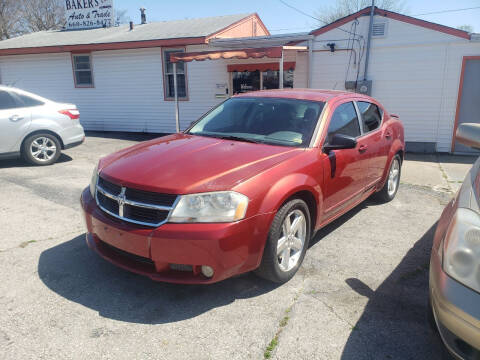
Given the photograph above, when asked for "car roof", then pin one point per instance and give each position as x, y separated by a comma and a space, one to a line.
303, 94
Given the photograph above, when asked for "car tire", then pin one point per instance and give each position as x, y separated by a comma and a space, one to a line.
287, 242
41, 149
390, 188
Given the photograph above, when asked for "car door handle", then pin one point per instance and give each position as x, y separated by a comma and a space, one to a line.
362, 148
388, 134
15, 118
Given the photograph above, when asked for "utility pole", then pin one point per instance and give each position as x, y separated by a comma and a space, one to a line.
367, 57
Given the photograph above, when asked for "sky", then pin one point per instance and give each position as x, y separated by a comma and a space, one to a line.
280, 19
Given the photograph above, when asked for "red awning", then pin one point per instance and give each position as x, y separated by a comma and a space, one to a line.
274, 66
274, 52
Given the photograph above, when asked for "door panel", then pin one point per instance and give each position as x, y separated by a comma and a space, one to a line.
371, 120
345, 170
469, 104
14, 123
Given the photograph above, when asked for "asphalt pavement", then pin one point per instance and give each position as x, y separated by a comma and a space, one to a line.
360, 294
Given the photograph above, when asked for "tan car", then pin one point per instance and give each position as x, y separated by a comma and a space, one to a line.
455, 262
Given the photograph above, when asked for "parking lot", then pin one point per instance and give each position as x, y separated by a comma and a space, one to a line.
360, 294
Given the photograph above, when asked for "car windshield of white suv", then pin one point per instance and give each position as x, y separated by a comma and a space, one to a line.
274, 121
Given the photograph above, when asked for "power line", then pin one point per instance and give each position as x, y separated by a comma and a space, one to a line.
447, 11
313, 17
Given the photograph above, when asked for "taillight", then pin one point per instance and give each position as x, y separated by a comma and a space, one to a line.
73, 114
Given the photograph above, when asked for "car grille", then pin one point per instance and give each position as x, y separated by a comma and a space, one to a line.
133, 205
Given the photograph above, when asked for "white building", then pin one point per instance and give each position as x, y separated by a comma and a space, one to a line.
122, 79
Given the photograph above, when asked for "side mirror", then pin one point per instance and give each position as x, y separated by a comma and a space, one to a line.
468, 134
339, 142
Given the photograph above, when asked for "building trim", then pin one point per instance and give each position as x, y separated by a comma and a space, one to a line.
274, 66
396, 16
105, 46
459, 98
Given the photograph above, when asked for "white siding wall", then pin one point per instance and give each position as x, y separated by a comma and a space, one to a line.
415, 73
128, 93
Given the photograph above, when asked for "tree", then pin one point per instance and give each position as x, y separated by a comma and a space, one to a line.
10, 19
467, 28
329, 14
38, 15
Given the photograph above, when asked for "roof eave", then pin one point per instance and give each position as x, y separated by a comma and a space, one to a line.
104, 46
396, 16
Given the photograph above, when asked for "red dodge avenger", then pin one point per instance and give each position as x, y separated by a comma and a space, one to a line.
245, 187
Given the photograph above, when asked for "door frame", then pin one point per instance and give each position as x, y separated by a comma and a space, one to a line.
459, 98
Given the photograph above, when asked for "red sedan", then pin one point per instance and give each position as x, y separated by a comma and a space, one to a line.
245, 187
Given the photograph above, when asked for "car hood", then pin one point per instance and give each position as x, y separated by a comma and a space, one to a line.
182, 164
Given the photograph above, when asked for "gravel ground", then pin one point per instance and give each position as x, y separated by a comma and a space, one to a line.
360, 294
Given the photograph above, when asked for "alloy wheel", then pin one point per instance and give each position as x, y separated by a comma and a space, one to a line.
393, 177
292, 240
43, 149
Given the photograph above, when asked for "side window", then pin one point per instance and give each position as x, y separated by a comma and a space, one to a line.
371, 116
27, 101
82, 69
344, 121
168, 76
7, 101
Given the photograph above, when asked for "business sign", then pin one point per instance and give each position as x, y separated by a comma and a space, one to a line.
89, 14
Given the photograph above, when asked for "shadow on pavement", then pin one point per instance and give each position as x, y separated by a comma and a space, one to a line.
75, 272
394, 323
19, 162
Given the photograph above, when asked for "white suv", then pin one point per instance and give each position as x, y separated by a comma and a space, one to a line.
36, 128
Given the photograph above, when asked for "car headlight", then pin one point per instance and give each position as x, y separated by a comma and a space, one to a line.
461, 248
93, 181
221, 206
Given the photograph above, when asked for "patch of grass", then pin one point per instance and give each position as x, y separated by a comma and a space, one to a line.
284, 321
25, 243
273, 344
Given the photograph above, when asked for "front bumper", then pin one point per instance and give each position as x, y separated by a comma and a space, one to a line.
229, 248
457, 312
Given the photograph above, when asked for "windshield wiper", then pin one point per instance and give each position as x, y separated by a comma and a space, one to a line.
237, 138
228, 137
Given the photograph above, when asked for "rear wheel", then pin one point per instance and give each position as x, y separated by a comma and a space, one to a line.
390, 188
287, 242
41, 149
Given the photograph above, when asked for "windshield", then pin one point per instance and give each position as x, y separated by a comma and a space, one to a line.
275, 121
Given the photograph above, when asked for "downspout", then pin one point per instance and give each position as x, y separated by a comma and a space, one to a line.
310, 64
175, 90
280, 72
372, 13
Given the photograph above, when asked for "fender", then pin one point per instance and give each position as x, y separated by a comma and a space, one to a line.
396, 146
42, 125
285, 188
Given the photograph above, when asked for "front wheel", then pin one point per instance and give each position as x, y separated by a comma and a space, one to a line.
41, 149
287, 242
390, 188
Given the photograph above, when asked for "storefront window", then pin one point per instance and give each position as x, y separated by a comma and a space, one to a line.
271, 79
246, 81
